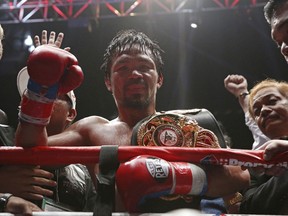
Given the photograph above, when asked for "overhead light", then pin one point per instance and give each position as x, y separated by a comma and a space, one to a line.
194, 25
195, 20
28, 41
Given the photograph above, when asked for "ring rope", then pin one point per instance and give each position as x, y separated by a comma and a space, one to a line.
43, 155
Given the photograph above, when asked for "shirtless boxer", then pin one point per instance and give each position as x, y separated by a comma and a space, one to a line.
133, 74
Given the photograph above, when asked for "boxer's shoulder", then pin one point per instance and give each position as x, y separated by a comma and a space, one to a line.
90, 122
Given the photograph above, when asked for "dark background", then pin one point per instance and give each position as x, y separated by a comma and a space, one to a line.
196, 61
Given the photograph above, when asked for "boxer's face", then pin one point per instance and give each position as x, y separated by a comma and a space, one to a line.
134, 79
279, 29
270, 109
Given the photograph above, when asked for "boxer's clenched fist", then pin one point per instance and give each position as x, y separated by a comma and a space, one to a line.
146, 177
52, 71
49, 65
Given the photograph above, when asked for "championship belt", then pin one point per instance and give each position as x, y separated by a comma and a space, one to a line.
173, 130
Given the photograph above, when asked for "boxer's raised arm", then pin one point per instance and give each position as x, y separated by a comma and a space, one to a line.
52, 71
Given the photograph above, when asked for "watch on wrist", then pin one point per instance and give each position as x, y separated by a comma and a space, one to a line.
232, 200
243, 94
4, 200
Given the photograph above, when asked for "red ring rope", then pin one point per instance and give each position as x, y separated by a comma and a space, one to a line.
85, 155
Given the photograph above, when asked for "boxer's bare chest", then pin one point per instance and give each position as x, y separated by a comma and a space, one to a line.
112, 134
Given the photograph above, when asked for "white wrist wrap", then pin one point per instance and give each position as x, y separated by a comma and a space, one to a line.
199, 180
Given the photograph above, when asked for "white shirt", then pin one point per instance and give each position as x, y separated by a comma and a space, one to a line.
258, 136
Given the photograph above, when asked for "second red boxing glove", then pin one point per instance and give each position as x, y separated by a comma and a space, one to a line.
147, 177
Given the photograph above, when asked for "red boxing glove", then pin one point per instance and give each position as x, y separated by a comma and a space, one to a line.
52, 71
147, 177
49, 65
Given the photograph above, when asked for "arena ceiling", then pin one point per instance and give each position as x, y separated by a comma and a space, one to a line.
23, 11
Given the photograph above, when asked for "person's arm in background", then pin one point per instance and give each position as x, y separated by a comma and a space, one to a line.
274, 147
271, 149
53, 40
16, 205
26, 182
237, 85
